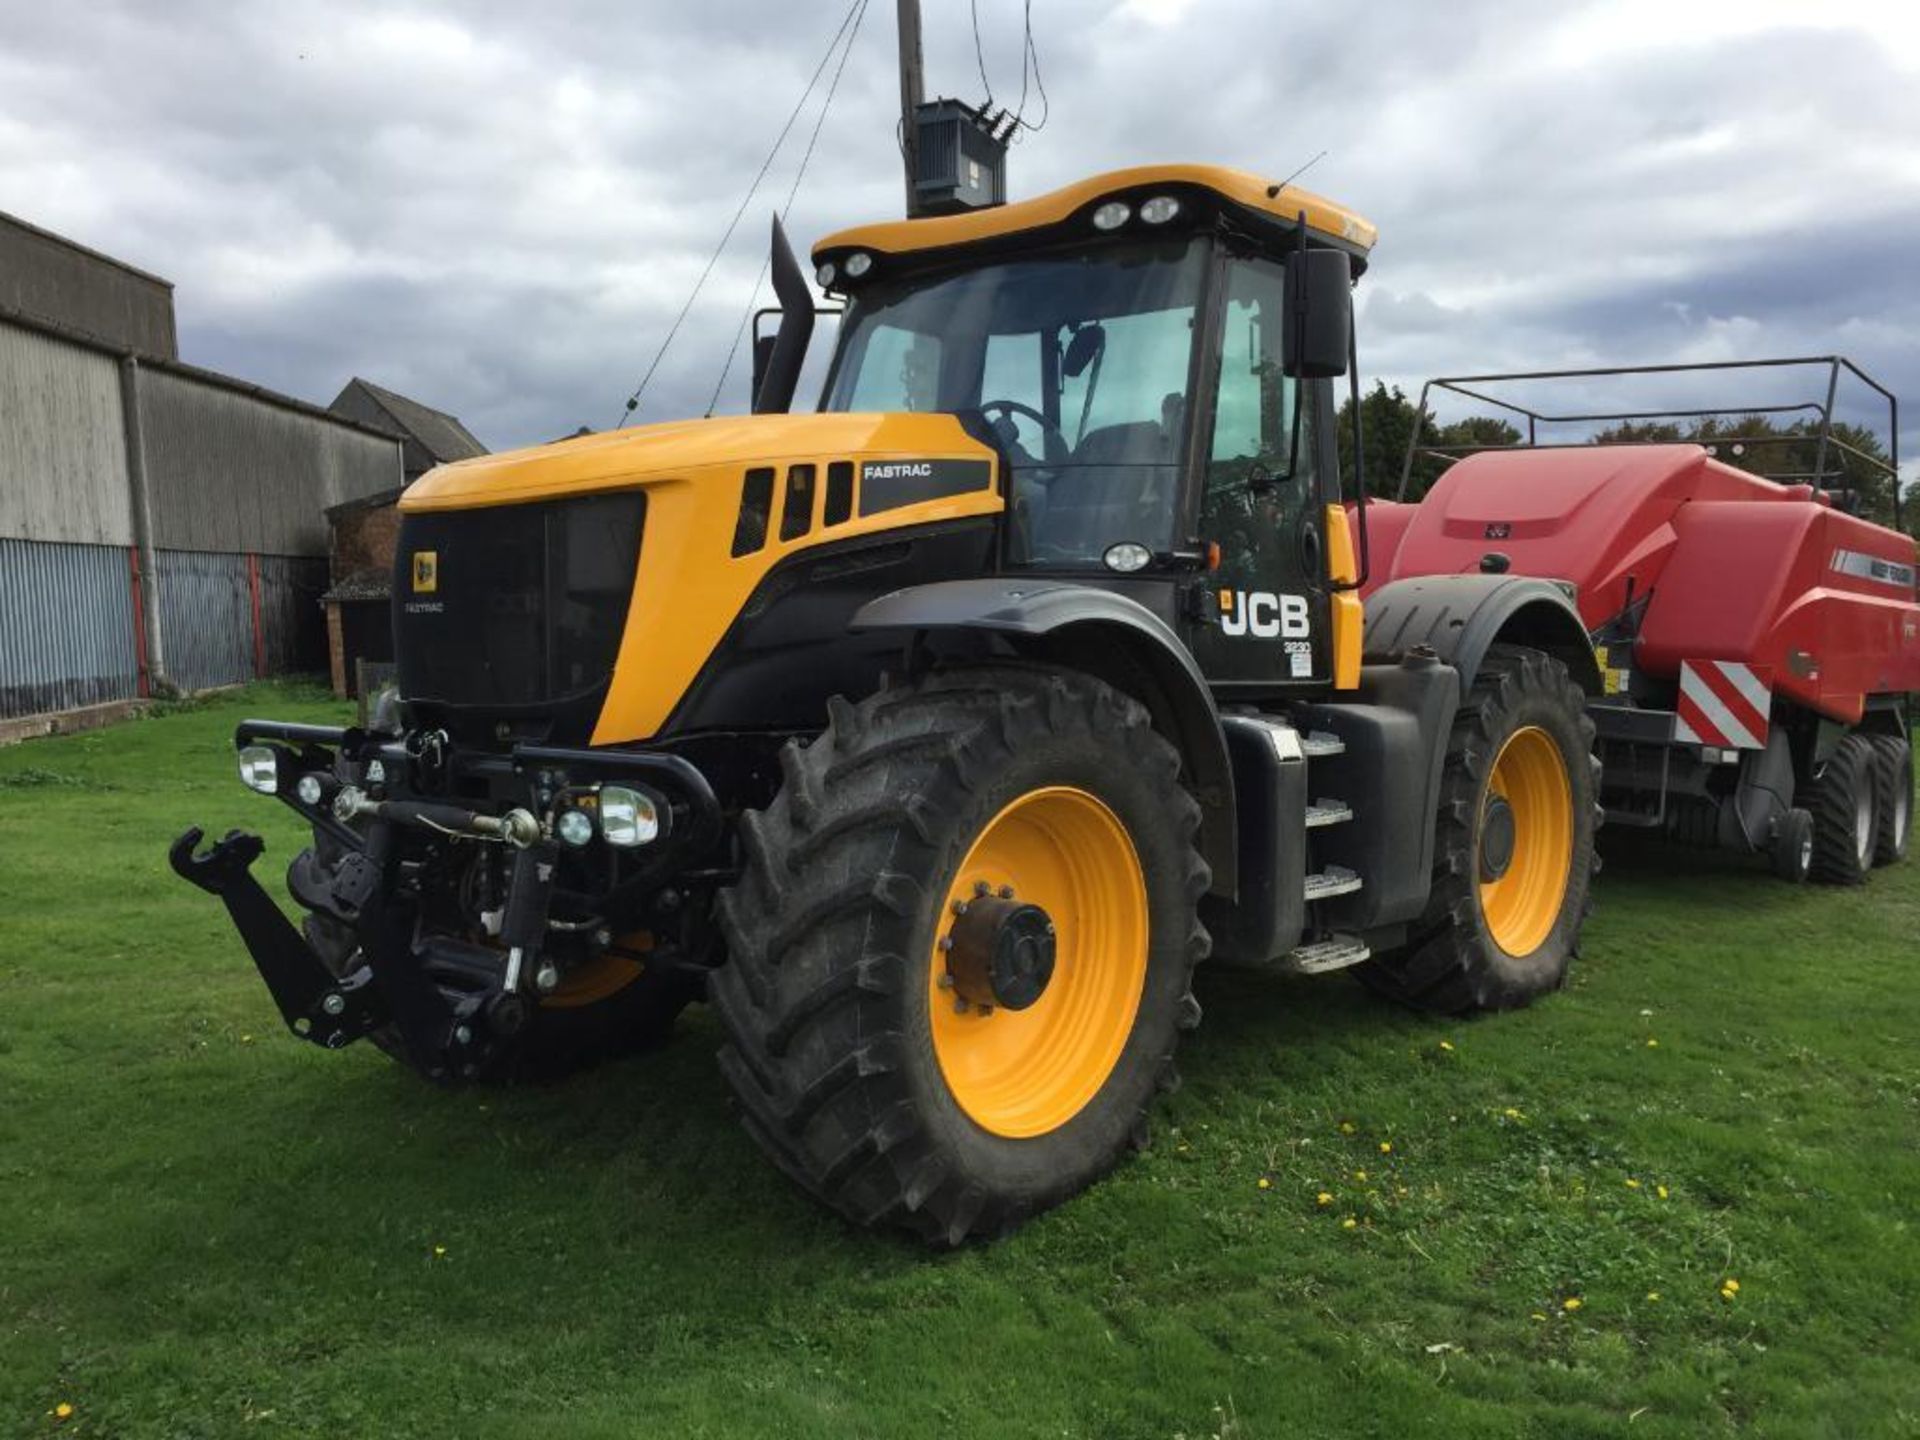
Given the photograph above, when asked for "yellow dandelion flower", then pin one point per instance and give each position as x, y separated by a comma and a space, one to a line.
1447, 1045
1653, 1296
1632, 1184
1323, 1198
1349, 1223
1733, 1285
1346, 1127
1661, 1191
246, 1039
1571, 1303
1539, 1315
1386, 1147
1511, 1113
1726, 1295
1265, 1183
1361, 1176
439, 1251
63, 1411
1652, 1044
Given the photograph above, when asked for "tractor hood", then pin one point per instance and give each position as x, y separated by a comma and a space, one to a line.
684, 450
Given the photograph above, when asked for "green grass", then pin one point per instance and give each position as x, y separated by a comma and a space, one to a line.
208, 1228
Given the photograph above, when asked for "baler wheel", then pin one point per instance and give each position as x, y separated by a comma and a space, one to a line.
961, 951
1845, 809
1792, 849
1513, 853
1895, 798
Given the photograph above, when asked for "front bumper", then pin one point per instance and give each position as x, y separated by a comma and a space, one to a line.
457, 1003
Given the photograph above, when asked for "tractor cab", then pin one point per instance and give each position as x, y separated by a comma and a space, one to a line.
1150, 353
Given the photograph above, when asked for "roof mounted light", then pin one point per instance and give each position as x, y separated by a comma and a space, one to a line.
1127, 558
825, 275
1112, 215
1160, 209
858, 264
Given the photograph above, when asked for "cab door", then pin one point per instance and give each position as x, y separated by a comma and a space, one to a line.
1264, 623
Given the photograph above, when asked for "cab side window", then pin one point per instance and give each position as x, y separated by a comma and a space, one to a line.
1257, 492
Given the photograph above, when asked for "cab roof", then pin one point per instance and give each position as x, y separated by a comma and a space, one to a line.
1253, 200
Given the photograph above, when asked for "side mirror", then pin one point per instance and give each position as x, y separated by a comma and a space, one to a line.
1319, 322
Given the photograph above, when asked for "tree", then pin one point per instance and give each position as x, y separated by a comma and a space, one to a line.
1388, 419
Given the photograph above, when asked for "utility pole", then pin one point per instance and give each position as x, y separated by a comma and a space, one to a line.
912, 92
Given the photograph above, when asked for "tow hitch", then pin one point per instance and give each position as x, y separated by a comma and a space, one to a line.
317, 1006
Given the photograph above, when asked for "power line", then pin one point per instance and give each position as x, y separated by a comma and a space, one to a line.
633, 400
979, 56
812, 140
1029, 52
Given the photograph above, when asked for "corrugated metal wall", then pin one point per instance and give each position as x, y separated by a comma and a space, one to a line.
66, 284
63, 446
67, 634
207, 616
229, 472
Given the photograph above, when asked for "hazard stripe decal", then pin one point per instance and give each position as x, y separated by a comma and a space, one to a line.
1723, 703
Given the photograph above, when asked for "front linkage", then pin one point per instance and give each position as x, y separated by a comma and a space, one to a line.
360, 792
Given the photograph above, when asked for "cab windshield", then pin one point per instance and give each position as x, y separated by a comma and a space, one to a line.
1079, 363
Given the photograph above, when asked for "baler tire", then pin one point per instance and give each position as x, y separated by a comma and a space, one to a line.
1894, 800
834, 996
1792, 850
1452, 963
1846, 812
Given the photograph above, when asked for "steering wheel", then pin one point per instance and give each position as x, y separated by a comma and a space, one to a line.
1053, 440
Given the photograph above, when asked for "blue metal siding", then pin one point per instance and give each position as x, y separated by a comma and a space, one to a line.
66, 627
206, 616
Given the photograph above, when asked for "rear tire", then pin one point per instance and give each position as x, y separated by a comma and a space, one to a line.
1845, 812
1894, 798
1495, 936
856, 1069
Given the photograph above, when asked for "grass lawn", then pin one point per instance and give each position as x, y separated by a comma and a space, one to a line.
1529, 1223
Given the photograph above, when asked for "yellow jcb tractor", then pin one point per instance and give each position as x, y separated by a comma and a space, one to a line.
935, 737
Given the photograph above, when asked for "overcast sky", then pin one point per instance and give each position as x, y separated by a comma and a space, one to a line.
498, 207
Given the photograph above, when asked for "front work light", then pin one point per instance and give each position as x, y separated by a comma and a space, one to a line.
858, 264
1112, 215
627, 817
310, 790
1159, 210
574, 827
825, 275
259, 770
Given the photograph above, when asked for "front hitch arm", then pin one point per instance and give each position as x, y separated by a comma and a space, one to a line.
316, 1005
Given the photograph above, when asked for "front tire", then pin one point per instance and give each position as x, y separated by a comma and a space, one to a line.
861, 1065
1513, 849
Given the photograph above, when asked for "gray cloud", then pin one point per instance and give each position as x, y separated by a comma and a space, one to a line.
500, 207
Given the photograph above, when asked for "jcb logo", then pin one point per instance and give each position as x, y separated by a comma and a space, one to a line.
1264, 614
426, 572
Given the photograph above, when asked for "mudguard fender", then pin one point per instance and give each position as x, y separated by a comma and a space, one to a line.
1110, 636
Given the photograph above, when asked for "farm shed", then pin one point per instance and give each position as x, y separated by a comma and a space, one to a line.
162, 527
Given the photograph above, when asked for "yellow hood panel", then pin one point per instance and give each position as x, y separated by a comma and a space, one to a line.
617, 458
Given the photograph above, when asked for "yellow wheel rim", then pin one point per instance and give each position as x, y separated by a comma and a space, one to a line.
1521, 906
1021, 1073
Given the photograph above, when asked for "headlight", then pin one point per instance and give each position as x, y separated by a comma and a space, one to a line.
1127, 557
825, 275
627, 817
1112, 215
259, 770
310, 790
574, 827
858, 264
1159, 210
